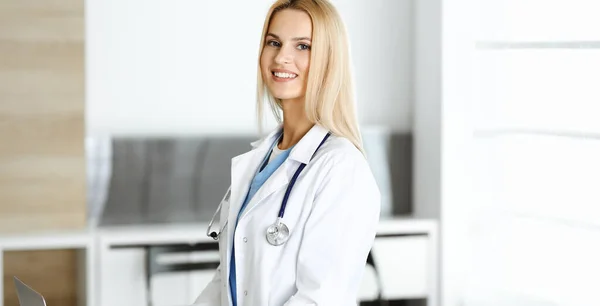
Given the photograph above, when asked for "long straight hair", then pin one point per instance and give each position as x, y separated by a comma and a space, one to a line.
329, 99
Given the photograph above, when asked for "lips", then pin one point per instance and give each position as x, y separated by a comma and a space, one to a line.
280, 75
285, 75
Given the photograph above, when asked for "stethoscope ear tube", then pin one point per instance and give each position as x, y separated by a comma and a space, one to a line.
214, 235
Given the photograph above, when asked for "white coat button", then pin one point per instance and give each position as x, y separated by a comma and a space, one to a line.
245, 239
245, 292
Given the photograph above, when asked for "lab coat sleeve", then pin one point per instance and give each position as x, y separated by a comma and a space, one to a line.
211, 295
338, 236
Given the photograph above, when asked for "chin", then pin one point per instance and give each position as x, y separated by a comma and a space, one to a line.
285, 95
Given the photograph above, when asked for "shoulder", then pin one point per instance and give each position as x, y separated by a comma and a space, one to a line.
341, 160
346, 180
339, 151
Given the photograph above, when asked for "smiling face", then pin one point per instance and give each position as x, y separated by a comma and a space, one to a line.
285, 58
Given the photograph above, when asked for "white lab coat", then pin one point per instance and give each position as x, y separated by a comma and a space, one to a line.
332, 214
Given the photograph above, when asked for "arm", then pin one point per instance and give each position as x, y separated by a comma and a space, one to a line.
211, 295
338, 236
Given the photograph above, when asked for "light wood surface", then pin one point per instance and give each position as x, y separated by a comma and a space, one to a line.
42, 127
53, 273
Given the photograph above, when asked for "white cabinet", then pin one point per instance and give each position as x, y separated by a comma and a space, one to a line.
405, 255
403, 263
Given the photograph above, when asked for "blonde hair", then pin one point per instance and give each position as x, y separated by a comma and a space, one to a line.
329, 98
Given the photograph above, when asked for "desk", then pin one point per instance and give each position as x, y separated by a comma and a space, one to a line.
405, 249
82, 241
113, 261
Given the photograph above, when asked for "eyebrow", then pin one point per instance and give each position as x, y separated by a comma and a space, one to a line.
294, 39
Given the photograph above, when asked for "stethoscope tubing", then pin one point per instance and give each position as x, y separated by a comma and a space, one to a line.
294, 178
284, 202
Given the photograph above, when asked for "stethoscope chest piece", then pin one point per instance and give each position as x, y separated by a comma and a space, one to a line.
278, 233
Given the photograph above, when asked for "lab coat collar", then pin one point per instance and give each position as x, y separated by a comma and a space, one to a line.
245, 167
304, 149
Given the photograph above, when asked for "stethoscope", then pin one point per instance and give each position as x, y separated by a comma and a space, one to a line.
277, 233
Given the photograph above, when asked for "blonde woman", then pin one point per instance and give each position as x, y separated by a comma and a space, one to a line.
301, 214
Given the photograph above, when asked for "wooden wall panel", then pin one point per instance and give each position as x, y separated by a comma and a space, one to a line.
42, 115
42, 129
52, 273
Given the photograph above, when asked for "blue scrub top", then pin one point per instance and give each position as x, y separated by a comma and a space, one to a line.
259, 179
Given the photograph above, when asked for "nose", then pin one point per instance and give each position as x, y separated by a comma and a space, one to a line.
283, 57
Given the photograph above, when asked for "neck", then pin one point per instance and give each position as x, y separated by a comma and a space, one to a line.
295, 123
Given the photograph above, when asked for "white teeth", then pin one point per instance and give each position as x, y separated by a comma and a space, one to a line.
285, 75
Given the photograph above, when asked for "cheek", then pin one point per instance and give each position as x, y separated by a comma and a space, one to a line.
303, 63
265, 60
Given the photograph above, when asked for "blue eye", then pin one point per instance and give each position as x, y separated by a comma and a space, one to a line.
273, 43
303, 47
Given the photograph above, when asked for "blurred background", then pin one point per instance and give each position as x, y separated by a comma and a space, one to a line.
118, 121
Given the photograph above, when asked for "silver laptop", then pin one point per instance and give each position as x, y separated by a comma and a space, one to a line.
28, 296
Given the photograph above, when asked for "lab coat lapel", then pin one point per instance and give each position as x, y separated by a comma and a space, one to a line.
243, 168
279, 179
241, 173
301, 153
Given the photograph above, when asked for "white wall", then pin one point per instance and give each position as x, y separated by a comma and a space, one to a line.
456, 131
171, 66
521, 140
187, 66
381, 35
